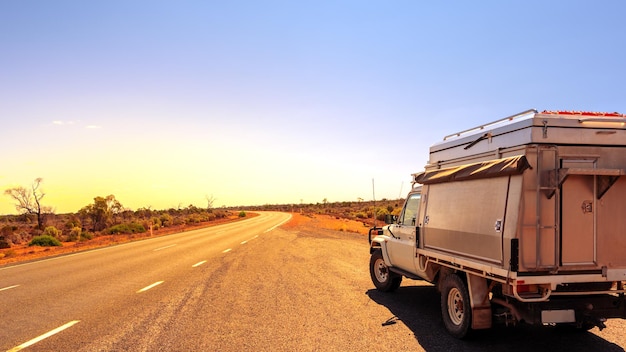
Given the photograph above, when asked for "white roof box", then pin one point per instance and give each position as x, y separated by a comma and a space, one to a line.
533, 127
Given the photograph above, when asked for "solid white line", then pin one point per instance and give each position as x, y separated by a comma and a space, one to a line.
44, 336
8, 288
151, 286
272, 228
198, 264
170, 246
227, 250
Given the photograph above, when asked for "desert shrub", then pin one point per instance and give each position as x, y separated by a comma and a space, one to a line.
242, 214
360, 215
74, 234
52, 232
44, 241
154, 224
211, 217
166, 220
381, 213
132, 227
85, 236
17, 237
69, 225
4, 243
193, 219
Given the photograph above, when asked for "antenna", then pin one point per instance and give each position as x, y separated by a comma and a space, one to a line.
401, 185
374, 197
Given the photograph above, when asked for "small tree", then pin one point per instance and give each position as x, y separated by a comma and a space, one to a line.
28, 201
209, 202
101, 212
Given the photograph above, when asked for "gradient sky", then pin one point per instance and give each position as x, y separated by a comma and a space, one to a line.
161, 103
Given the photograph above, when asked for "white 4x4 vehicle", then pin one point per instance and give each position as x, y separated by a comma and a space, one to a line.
519, 220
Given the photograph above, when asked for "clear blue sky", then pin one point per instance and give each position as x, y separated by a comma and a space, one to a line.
161, 103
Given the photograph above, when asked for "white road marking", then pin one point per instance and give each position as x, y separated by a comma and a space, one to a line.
44, 336
8, 288
227, 250
198, 264
151, 286
272, 228
170, 246
244, 242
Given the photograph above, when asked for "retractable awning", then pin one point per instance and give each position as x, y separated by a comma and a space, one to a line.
493, 168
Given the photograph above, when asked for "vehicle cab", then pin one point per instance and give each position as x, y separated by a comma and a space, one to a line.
400, 238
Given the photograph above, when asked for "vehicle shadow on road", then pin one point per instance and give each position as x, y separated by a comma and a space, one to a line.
418, 307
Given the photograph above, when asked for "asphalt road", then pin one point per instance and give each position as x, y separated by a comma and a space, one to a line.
246, 286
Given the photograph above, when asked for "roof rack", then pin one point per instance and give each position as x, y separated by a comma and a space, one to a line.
482, 127
583, 113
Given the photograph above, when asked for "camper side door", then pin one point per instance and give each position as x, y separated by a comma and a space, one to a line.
401, 247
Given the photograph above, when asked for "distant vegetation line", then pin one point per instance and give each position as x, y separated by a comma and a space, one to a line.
39, 225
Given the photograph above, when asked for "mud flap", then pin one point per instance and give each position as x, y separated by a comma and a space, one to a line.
479, 299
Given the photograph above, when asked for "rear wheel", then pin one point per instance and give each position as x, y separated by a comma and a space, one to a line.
384, 279
455, 306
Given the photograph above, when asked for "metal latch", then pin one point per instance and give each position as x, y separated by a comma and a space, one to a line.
587, 206
498, 226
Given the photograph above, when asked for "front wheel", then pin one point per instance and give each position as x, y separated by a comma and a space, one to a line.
455, 306
384, 279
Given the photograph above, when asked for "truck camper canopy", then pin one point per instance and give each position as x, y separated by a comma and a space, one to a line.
551, 128
493, 168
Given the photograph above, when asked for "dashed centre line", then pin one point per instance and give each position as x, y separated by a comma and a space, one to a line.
227, 250
150, 286
198, 264
8, 288
42, 337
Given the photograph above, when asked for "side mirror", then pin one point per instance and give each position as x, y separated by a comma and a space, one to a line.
391, 219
